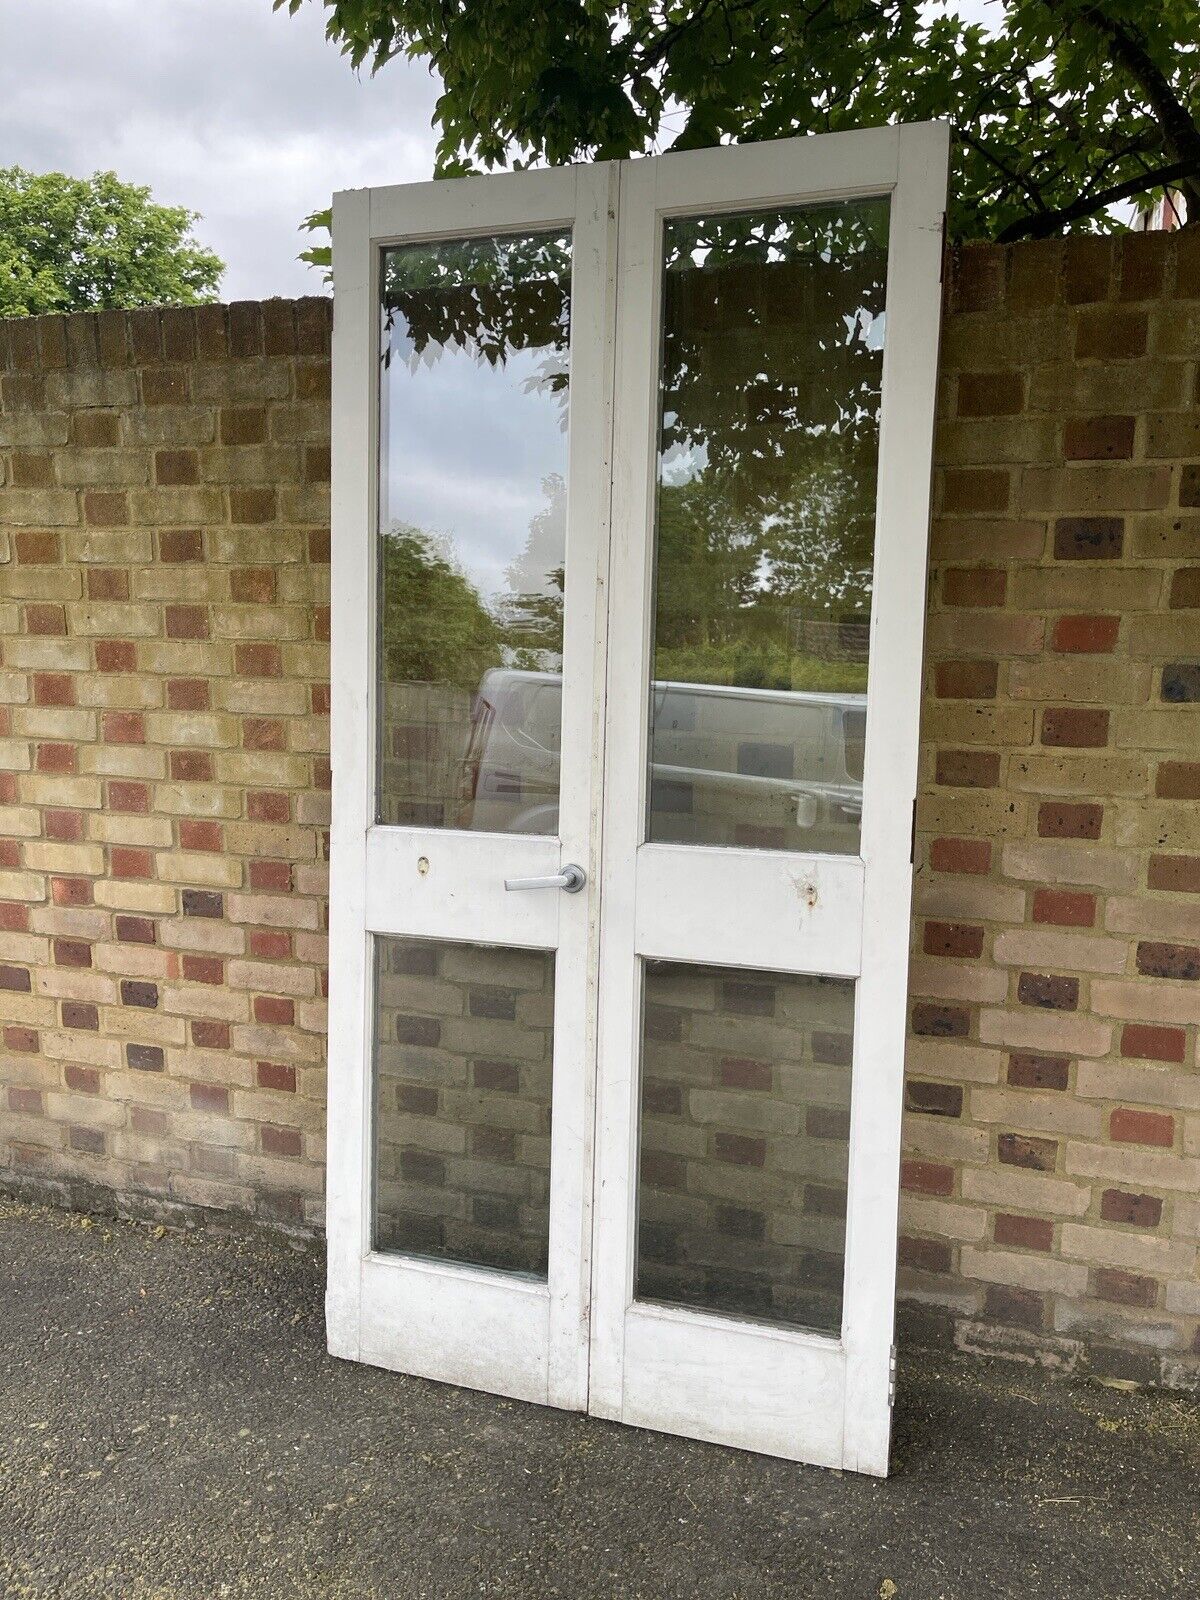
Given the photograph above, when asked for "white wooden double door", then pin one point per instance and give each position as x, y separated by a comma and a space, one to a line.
631, 492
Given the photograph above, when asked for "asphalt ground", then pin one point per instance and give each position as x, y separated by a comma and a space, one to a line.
171, 1428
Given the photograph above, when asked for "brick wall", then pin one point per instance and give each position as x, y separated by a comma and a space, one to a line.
163, 787
1053, 1129
164, 771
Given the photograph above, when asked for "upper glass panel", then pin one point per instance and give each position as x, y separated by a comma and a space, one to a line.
472, 518
772, 358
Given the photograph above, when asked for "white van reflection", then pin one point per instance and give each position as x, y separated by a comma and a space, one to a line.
730, 766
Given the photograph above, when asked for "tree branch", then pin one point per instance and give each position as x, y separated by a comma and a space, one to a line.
1046, 223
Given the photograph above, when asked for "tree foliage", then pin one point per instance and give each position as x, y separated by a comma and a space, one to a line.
1060, 107
84, 244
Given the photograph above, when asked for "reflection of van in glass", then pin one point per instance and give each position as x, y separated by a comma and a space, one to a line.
730, 766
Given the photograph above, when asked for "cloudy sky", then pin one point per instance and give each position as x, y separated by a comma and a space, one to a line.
241, 113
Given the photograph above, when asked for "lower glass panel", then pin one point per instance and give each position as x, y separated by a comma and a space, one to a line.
745, 1142
464, 1043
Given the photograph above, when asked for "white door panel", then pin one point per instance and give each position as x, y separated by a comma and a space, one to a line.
630, 505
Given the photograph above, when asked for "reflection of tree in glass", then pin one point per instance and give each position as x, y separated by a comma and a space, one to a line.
435, 626
490, 297
772, 358
530, 617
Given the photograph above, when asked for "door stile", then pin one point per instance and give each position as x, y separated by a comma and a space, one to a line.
909, 391
581, 820
634, 427
352, 512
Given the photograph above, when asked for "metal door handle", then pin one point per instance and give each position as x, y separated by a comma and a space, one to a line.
571, 878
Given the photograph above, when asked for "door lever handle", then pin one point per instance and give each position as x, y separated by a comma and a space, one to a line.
571, 878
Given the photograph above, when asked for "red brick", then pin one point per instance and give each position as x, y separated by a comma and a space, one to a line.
738, 1072
926, 1177
204, 969
1065, 908
127, 794
1177, 780
933, 1099
276, 1075
191, 766
263, 733
1089, 538
198, 833
252, 585
267, 805
188, 694
20, 1040
176, 467
740, 1149
1135, 1210
271, 877
1024, 1308
37, 549
1023, 1150
1026, 1233
25, 1102
274, 1009
186, 622
1085, 635
961, 855
285, 1142
106, 508
923, 1255
82, 1080
1098, 438
953, 939
45, 620
1178, 874
181, 544
1127, 1126
270, 944
59, 758
71, 891
65, 826
1150, 1043
116, 655
136, 930
965, 680
128, 862
209, 1096
1185, 589
208, 1034
1048, 990
258, 660
107, 583
1074, 727
123, 727
1060, 819
1124, 1288
72, 953
1159, 960
53, 689
933, 1021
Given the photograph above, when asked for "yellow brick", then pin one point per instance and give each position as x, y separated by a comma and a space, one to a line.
183, 866
86, 860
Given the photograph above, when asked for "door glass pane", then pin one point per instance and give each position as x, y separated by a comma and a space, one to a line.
472, 517
745, 1142
772, 356
464, 1039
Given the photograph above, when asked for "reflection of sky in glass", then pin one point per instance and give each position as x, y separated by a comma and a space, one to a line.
468, 447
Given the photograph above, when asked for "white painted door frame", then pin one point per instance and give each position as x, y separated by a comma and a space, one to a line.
469, 1325
788, 1392
791, 1393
